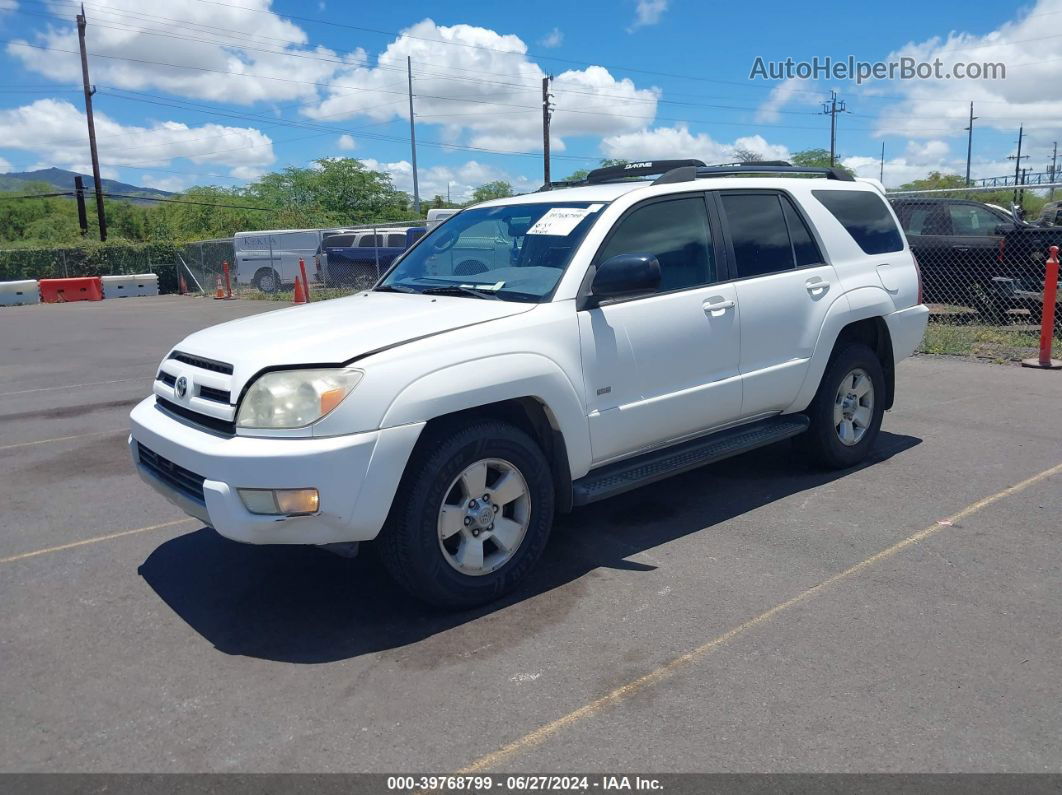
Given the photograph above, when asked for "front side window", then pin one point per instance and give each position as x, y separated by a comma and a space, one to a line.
758, 233
515, 252
865, 217
676, 233
969, 220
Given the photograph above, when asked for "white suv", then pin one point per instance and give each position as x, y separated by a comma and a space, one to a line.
633, 329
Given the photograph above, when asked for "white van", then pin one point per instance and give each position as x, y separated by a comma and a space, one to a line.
269, 259
437, 216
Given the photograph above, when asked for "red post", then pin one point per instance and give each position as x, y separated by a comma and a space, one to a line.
1047, 316
228, 282
305, 284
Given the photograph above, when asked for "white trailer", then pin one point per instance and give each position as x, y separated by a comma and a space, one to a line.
269, 259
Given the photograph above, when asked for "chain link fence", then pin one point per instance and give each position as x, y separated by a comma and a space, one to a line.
264, 265
983, 269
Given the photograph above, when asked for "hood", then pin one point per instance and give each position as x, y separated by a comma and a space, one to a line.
336, 331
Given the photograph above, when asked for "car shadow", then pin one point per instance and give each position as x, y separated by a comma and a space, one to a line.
300, 604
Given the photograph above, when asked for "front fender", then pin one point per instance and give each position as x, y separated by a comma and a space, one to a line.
855, 305
494, 379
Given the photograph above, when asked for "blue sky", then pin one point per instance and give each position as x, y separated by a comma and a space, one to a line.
634, 78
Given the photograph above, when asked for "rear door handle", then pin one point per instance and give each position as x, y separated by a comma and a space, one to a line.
715, 308
816, 285
960, 248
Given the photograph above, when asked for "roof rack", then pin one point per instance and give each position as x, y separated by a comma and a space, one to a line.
781, 167
642, 168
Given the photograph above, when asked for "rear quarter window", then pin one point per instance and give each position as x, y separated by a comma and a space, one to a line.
866, 218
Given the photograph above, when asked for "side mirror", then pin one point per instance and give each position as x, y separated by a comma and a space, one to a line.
626, 274
1003, 229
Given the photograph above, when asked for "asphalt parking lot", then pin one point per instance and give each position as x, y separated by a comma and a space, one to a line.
751, 616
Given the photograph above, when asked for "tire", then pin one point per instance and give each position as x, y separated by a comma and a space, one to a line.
823, 440
267, 280
430, 540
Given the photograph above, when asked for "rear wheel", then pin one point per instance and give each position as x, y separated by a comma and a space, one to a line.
267, 280
847, 410
471, 516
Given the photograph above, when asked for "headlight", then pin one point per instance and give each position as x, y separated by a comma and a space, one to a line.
294, 398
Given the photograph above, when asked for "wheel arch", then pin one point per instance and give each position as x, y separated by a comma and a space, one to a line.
861, 318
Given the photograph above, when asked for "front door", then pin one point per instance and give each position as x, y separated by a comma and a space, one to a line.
662, 366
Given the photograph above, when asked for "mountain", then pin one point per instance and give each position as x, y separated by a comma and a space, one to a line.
61, 179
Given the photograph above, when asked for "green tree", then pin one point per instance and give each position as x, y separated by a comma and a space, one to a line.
935, 180
580, 174
818, 158
498, 189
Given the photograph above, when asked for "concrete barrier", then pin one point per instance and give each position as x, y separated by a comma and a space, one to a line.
82, 288
130, 285
19, 293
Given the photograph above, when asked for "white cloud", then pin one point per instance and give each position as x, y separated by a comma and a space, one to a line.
266, 68
555, 38
171, 184
55, 131
780, 96
458, 87
1031, 92
5, 166
648, 12
919, 159
461, 180
664, 143
346, 142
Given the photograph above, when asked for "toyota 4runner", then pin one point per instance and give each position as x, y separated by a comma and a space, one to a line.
613, 333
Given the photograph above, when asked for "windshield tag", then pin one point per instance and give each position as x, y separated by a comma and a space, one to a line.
593, 208
559, 221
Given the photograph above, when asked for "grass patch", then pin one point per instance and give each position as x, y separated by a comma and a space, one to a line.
995, 343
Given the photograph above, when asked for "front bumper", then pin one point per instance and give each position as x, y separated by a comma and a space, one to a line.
357, 476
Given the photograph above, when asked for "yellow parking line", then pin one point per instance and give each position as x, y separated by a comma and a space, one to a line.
60, 439
622, 693
96, 540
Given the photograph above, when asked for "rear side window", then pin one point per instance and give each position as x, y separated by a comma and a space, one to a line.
804, 247
396, 241
758, 233
370, 241
865, 216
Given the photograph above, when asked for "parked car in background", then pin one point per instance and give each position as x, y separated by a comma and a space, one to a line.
269, 259
438, 215
358, 258
976, 255
1050, 215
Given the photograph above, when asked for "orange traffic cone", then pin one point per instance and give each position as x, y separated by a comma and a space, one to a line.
300, 295
219, 290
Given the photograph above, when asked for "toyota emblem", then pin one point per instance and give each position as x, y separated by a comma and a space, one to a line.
181, 387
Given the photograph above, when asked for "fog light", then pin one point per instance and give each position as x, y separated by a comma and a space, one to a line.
274, 502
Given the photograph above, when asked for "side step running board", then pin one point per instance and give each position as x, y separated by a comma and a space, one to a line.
613, 479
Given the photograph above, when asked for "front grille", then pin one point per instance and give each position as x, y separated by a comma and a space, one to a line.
217, 395
166, 378
202, 363
213, 423
180, 479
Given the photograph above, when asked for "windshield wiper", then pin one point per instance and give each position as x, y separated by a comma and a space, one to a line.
394, 288
459, 289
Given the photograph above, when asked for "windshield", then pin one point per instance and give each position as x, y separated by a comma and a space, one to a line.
517, 252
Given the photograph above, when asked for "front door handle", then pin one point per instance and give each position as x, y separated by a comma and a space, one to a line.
716, 308
816, 285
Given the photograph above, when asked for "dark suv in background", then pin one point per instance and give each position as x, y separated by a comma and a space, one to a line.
972, 254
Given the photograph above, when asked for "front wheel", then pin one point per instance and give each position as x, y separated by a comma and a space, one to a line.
471, 516
847, 410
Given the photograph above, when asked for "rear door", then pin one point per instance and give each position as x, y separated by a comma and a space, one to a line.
928, 229
784, 290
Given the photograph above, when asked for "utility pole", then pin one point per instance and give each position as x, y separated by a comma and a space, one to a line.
969, 144
89, 91
881, 173
413, 137
79, 195
547, 112
831, 109
1054, 167
1017, 158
